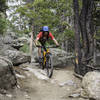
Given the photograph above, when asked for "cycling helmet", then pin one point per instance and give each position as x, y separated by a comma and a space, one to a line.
45, 28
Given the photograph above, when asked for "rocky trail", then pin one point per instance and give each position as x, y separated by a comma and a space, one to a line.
35, 85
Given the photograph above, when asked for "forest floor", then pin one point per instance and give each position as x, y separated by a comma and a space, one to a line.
35, 85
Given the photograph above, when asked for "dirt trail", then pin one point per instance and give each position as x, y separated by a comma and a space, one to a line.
35, 85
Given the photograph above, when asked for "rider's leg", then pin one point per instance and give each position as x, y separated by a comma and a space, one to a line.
39, 52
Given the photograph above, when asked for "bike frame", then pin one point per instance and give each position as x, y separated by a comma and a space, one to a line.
44, 55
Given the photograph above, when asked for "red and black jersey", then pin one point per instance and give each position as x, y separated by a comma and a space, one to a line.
40, 35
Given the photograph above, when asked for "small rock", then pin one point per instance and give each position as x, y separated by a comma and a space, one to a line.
69, 82
20, 76
75, 95
9, 95
27, 96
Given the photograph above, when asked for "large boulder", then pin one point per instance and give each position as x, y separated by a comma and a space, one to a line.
91, 85
7, 75
20, 41
17, 57
16, 44
24, 39
11, 39
5, 43
7, 49
60, 57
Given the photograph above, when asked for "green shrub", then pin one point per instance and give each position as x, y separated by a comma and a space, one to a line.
2, 25
25, 48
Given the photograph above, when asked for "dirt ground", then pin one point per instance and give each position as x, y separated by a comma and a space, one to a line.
33, 84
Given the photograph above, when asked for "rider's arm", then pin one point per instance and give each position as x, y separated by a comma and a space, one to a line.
55, 41
38, 37
36, 41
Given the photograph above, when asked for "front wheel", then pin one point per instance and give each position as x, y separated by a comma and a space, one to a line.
49, 66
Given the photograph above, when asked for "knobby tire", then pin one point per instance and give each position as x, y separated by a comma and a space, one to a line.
49, 67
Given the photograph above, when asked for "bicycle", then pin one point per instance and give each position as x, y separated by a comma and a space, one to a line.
47, 60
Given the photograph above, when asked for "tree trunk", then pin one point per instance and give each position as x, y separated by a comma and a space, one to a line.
95, 53
31, 40
84, 25
85, 40
90, 27
77, 38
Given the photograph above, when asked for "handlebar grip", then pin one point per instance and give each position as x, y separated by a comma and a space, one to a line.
57, 46
48, 46
38, 46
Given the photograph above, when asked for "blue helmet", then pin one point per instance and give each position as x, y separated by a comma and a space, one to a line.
45, 28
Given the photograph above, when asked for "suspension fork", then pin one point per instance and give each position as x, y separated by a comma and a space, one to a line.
46, 58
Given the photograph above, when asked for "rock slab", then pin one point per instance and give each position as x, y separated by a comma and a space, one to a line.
17, 57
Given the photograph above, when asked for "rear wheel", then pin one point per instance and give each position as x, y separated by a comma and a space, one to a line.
49, 66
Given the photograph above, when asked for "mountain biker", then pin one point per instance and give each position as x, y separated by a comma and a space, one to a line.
43, 37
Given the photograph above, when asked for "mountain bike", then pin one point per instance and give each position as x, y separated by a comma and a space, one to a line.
47, 62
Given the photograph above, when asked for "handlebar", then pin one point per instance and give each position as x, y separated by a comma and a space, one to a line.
47, 46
